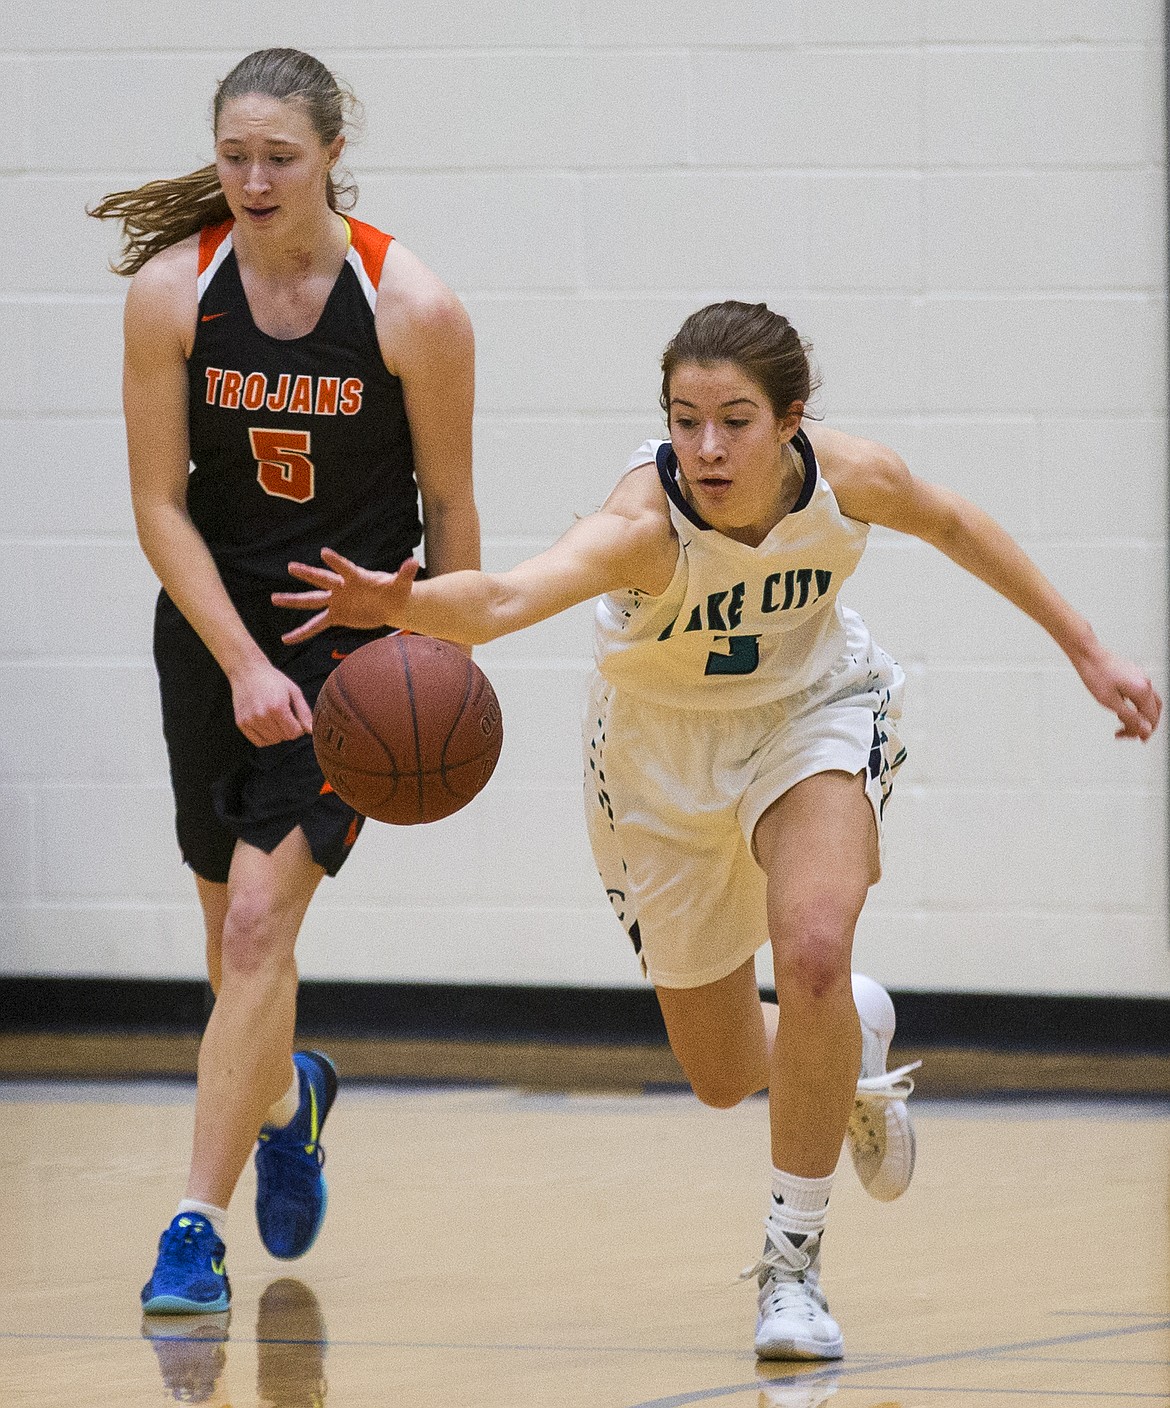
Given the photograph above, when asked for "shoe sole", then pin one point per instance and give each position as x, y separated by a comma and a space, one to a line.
800, 1349
876, 1013
179, 1305
296, 1256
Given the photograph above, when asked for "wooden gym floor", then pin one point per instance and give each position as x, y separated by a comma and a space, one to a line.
491, 1248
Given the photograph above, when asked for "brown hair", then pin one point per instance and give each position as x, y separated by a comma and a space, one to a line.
764, 345
162, 213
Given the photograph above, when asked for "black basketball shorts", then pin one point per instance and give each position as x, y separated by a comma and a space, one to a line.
227, 789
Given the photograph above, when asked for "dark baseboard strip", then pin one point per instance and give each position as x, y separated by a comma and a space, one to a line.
401, 1014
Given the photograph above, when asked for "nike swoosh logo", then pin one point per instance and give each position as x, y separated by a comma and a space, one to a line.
339, 654
314, 1126
211, 317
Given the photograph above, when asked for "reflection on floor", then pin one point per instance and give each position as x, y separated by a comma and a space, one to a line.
487, 1248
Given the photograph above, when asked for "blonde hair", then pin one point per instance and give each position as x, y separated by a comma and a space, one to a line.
161, 213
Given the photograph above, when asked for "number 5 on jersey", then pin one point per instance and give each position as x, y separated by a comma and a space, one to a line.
284, 468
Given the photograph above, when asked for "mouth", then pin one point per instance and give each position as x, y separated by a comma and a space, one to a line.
713, 483
260, 212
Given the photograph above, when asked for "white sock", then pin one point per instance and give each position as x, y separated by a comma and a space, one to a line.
799, 1206
284, 1111
207, 1211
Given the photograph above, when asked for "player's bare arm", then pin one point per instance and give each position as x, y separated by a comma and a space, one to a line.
159, 323
628, 542
873, 485
426, 340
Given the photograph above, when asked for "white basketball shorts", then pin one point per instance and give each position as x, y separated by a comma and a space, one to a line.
672, 798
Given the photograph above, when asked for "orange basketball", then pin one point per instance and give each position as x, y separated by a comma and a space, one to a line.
407, 729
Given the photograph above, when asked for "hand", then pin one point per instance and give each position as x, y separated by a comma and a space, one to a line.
1124, 689
269, 707
347, 595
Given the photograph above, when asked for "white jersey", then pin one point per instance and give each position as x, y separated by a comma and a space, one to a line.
738, 625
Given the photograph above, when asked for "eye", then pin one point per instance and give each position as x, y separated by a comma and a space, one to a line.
684, 422
737, 423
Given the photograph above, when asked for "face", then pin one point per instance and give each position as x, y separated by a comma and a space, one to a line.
271, 163
730, 448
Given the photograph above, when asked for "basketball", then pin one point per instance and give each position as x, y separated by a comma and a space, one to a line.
407, 729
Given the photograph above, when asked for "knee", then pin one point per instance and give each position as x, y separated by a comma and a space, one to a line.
716, 1090
719, 1085
253, 938
813, 954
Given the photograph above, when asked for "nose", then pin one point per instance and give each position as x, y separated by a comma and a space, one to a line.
255, 182
711, 443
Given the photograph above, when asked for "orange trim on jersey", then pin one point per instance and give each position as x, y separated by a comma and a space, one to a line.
210, 239
371, 246
326, 788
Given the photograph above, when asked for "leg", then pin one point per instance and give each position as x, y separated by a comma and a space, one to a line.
720, 1036
818, 846
213, 900
246, 1053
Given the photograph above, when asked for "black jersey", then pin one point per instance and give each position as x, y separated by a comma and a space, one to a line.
296, 443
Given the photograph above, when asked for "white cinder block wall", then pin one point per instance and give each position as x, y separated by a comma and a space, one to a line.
962, 207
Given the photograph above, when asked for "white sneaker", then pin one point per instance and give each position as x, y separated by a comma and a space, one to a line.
880, 1136
794, 1320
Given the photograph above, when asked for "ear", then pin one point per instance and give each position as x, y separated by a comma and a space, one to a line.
335, 148
791, 422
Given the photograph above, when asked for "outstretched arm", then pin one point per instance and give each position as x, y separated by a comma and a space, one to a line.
875, 486
619, 546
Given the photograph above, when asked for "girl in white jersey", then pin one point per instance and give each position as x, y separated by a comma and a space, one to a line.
740, 745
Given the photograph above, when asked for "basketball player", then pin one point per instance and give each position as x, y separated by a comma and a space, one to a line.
319, 379
740, 745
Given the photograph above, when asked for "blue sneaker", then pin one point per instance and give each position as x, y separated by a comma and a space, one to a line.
290, 1187
189, 1277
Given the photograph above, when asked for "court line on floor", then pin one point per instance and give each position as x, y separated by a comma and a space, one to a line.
986, 1353
1098, 1395
869, 1363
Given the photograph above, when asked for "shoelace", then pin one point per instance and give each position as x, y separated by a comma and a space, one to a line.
774, 1258
873, 1091
793, 1288
890, 1085
182, 1244
296, 1169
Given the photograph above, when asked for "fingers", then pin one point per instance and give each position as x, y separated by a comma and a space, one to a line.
302, 601
301, 711
310, 628
318, 576
1138, 711
276, 728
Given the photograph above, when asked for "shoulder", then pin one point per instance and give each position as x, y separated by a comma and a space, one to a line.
627, 542
860, 472
417, 312
638, 494
163, 296
638, 503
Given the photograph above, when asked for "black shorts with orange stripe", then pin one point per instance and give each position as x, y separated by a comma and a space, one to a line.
227, 789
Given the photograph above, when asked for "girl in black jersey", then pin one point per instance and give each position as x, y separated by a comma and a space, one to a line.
293, 378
